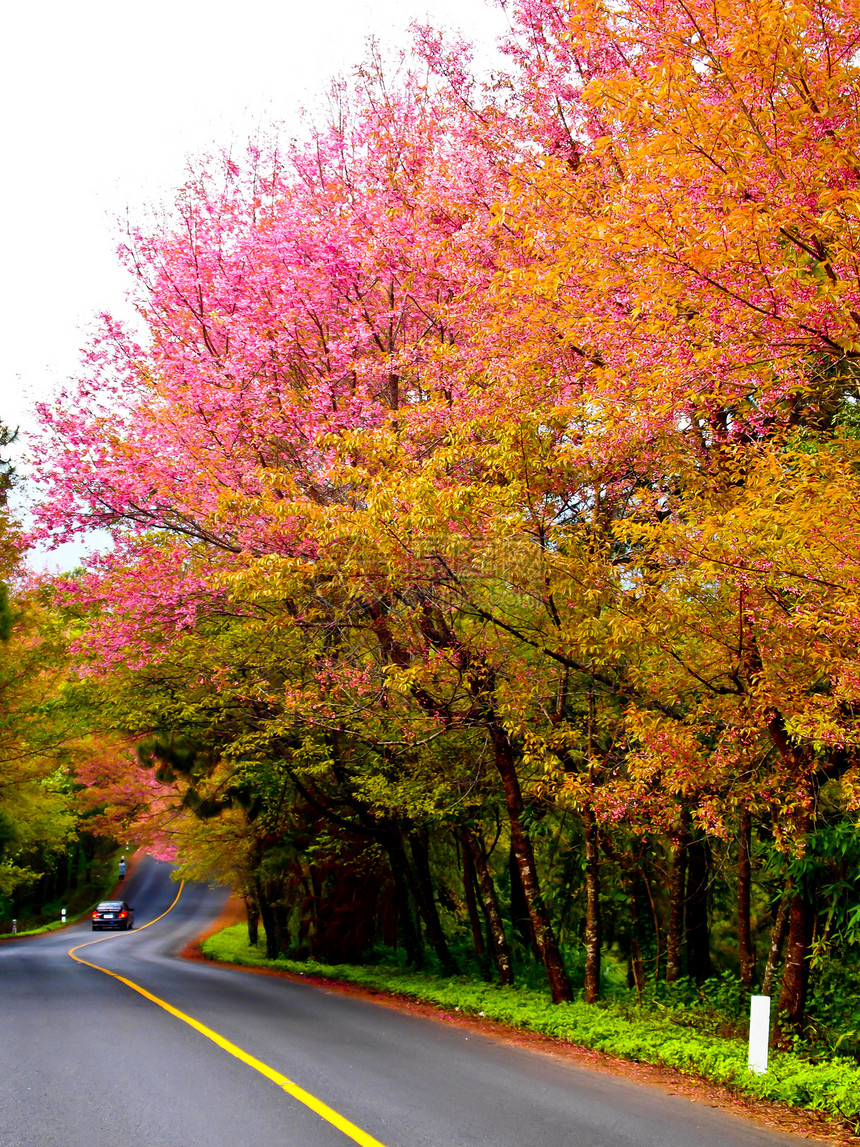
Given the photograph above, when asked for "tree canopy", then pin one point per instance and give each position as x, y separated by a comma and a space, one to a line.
483, 490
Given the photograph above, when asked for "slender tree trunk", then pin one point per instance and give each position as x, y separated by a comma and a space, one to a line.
490, 901
411, 936
698, 930
655, 918
593, 931
677, 899
269, 924
545, 939
469, 882
519, 908
791, 1007
637, 966
427, 902
777, 939
746, 951
311, 927
281, 914
252, 912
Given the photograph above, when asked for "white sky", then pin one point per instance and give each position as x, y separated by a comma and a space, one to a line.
101, 105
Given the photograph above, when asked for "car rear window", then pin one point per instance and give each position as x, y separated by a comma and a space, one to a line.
109, 906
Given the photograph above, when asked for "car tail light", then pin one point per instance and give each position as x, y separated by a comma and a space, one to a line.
122, 914
95, 915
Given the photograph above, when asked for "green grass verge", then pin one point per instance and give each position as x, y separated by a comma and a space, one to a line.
661, 1037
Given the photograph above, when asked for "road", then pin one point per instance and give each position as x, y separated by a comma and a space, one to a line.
86, 1059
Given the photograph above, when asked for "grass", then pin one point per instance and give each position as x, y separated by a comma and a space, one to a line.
656, 1034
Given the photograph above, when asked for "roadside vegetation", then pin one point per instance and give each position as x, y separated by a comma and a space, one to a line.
699, 1030
70, 880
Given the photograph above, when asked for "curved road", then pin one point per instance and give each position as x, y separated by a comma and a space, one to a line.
86, 1059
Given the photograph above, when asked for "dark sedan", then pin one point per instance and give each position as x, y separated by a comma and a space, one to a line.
113, 914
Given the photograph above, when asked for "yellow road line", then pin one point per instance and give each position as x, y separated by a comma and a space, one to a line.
299, 1093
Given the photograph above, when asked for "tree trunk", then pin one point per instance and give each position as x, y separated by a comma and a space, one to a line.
746, 951
791, 1008
593, 933
281, 914
519, 908
269, 923
795, 978
698, 930
545, 939
252, 912
469, 883
637, 967
777, 939
411, 936
490, 901
677, 898
427, 902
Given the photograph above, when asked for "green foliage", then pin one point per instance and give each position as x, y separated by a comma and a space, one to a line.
75, 879
5, 614
7, 471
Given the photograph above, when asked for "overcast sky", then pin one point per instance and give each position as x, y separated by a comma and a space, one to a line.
102, 103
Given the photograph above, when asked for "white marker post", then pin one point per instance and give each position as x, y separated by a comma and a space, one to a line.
14, 927
759, 1033
62, 915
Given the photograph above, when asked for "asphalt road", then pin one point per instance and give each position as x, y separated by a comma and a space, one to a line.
86, 1060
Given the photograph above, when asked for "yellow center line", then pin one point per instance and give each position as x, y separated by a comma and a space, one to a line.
293, 1089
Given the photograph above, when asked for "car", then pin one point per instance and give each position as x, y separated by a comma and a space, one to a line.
113, 914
